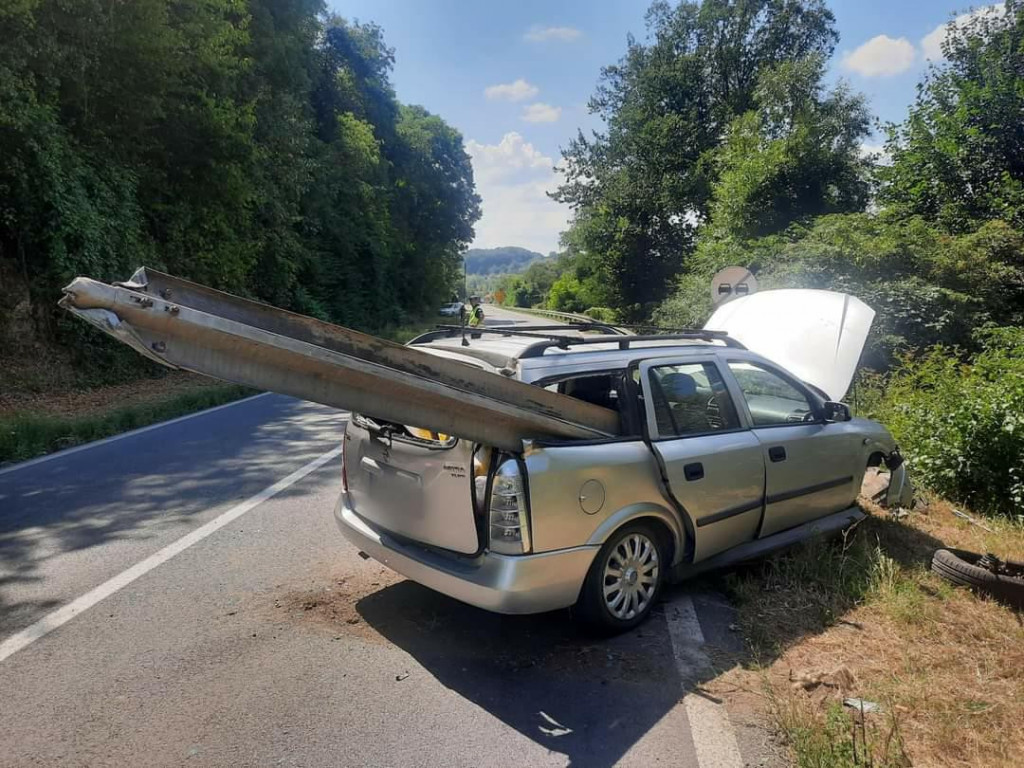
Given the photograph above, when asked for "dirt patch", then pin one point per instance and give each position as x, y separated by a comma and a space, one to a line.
376, 605
93, 401
330, 605
866, 619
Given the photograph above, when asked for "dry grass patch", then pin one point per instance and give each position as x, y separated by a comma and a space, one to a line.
864, 617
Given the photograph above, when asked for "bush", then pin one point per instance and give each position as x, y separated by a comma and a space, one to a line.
926, 286
962, 426
602, 314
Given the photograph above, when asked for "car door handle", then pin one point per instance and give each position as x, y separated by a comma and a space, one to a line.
777, 453
693, 471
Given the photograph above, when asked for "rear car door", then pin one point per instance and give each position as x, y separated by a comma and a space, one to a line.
712, 461
810, 463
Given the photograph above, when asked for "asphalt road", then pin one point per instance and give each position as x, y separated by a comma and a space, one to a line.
180, 595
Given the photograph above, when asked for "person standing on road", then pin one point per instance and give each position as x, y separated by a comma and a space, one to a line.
476, 312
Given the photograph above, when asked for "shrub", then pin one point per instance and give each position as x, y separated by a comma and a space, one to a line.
962, 426
602, 314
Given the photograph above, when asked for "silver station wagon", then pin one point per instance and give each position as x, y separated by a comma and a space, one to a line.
723, 456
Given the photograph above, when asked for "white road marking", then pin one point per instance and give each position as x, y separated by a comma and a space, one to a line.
50, 622
123, 435
713, 739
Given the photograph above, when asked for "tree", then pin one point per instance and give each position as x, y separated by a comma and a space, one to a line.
434, 205
959, 157
640, 191
794, 156
254, 145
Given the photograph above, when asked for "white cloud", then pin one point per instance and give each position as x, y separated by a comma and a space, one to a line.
881, 56
512, 179
931, 44
541, 113
876, 152
514, 91
541, 34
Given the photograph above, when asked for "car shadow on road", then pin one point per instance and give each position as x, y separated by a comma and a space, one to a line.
594, 699
587, 698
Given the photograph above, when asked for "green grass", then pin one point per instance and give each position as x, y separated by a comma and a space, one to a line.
404, 333
26, 435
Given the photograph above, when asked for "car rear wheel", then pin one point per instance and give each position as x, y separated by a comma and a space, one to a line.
624, 581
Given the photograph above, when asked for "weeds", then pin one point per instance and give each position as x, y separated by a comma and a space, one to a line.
943, 664
26, 435
843, 738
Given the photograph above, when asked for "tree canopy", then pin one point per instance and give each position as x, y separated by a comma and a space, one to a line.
253, 145
959, 157
939, 255
641, 190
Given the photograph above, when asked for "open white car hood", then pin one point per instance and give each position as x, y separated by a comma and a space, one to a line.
816, 335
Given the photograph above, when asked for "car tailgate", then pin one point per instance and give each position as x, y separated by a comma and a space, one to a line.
417, 488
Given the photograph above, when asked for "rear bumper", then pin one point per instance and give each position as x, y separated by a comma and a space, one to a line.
500, 583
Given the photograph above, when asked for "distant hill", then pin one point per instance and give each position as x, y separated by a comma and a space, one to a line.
496, 261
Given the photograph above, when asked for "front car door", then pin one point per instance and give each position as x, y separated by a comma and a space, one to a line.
810, 463
712, 461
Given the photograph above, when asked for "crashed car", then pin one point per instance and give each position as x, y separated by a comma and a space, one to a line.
554, 466
731, 445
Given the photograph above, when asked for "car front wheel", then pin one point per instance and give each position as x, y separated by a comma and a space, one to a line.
624, 581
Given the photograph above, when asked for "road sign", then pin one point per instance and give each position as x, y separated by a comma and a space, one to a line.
731, 283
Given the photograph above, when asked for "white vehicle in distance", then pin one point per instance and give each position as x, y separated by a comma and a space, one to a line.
451, 310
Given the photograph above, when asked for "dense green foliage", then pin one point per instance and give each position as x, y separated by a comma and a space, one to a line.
642, 191
499, 261
926, 285
531, 287
252, 145
959, 157
963, 425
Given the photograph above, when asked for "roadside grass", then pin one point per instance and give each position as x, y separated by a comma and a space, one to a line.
50, 405
408, 331
864, 617
25, 435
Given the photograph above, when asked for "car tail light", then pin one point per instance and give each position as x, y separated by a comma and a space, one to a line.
509, 510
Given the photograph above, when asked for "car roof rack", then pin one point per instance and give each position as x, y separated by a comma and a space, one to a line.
625, 342
553, 333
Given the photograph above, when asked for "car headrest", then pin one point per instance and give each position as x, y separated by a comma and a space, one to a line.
677, 385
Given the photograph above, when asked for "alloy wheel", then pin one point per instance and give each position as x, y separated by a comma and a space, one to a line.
631, 576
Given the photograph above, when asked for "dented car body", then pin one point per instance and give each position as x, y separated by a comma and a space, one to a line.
553, 468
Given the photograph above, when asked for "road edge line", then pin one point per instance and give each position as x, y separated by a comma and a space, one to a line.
44, 626
714, 740
130, 433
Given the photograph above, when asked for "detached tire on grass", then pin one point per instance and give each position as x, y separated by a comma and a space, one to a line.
1002, 579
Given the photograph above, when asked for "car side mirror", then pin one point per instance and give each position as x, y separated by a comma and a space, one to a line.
837, 411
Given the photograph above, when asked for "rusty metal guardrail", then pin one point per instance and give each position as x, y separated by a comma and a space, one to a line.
184, 325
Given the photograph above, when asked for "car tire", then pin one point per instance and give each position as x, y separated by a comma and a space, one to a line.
632, 555
962, 568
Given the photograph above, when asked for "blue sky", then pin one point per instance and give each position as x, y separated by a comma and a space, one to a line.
515, 78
